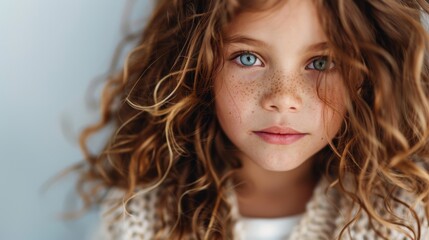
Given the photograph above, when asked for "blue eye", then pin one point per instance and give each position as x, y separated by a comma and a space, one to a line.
248, 59
321, 64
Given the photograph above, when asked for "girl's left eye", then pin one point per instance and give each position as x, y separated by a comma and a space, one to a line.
248, 59
321, 64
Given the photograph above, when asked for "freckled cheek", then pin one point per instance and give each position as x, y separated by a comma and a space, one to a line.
304, 84
332, 91
326, 102
235, 99
244, 90
335, 111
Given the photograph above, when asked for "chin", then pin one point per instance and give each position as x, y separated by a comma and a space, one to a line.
278, 166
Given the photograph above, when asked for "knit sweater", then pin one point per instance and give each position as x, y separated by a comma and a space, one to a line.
326, 214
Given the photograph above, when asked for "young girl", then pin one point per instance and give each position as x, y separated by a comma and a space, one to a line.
290, 119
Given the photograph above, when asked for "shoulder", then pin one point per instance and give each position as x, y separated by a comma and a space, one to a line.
122, 219
329, 211
405, 211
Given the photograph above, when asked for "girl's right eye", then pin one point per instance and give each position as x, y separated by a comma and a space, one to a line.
247, 59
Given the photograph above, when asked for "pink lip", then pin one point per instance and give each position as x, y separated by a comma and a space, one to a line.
278, 135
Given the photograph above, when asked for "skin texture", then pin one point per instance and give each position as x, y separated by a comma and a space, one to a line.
279, 89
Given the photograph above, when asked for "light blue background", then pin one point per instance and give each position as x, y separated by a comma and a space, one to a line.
50, 51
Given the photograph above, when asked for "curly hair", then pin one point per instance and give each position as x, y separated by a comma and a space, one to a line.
167, 136
383, 52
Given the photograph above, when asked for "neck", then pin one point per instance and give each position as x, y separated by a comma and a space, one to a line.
267, 194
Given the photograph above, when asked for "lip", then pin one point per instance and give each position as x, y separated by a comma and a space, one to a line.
279, 135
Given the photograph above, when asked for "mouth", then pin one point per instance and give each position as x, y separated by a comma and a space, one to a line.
281, 136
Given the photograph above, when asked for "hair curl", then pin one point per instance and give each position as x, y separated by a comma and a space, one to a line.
166, 132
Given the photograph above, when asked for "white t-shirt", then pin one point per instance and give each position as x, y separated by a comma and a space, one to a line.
268, 228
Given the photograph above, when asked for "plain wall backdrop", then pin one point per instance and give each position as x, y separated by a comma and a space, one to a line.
50, 52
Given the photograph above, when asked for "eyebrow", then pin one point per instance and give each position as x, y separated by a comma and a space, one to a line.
244, 39
319, 46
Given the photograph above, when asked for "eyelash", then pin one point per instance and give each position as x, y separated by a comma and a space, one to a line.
326, 58
240, 54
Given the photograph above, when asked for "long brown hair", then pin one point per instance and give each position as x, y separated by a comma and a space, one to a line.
167, 137
383, 51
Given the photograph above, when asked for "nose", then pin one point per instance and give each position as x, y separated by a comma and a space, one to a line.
282, 97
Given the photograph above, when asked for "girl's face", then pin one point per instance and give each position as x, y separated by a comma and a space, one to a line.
266, 93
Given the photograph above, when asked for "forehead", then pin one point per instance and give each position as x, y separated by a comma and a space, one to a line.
292, 22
